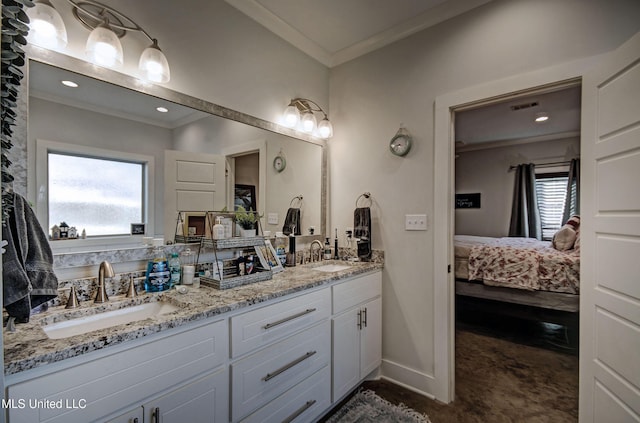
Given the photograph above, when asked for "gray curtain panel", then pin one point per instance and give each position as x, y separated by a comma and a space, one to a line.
525, 215
572, 200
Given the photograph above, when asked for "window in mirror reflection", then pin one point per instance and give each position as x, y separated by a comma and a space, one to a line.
101, 196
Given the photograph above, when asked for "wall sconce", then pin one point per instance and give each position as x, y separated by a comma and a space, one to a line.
103, 48
300, 112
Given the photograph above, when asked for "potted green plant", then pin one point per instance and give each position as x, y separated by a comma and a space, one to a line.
247, 220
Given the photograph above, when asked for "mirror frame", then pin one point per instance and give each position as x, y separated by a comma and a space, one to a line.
82, 67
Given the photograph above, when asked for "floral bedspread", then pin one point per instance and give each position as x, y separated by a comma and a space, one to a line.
525, 263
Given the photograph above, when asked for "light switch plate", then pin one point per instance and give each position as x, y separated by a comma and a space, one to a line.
272, 218
415, 222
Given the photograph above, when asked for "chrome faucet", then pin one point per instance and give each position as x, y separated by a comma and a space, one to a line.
105, 270
311, 254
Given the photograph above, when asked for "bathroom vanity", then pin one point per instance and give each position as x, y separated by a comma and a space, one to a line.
287, 349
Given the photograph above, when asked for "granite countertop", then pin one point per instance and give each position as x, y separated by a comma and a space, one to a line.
29, 347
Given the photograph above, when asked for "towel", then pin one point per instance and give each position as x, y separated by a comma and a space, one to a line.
292, 220
27, 264
362, 231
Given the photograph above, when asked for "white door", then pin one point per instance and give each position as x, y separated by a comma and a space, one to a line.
193, 182
610, 239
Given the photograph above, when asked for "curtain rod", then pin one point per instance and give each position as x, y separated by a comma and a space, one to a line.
550, 164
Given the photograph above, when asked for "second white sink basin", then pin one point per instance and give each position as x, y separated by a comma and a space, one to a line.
332, 267
107, 319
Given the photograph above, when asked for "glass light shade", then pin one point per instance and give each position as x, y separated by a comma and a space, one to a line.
153, 64
308, 122
291, 116
46, 28
325, 129
104, 48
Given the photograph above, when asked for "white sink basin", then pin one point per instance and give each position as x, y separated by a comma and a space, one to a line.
107, 319
331, 267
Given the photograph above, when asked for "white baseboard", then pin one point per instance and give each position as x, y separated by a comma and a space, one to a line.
408, 378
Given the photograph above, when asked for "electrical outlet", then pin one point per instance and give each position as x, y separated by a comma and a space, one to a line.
272, 218
415, 222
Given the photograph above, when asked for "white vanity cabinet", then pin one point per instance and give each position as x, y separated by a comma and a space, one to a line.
204, 400
282, 349
357, 331
103, 389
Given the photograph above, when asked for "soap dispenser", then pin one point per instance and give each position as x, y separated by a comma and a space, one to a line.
327, 249
218, 229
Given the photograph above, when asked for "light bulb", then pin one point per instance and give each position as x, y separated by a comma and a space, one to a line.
153, 64
104, 48
291, 116
325, 129
46, 27
308, 122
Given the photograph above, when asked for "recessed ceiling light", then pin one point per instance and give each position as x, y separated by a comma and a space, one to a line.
542, 117
162, 109
69, 84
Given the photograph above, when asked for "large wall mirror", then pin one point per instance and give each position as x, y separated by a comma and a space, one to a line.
109, 111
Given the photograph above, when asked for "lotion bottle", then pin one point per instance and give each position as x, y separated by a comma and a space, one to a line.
218, 229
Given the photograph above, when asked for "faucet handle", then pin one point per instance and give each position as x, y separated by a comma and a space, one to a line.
131, 292
72, 302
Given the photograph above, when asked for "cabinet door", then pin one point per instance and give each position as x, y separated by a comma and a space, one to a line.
346, 352
371, 337
135, 415
205, 400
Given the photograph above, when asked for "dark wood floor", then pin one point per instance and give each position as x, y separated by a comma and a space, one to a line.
508, 369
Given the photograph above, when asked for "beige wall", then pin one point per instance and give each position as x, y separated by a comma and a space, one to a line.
372, 95
487, 172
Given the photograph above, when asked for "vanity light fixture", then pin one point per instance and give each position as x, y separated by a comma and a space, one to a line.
300, 113
542, 117
103, 47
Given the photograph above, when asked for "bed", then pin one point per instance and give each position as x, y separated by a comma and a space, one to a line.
517, 270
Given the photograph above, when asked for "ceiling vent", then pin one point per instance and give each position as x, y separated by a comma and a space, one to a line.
524, 106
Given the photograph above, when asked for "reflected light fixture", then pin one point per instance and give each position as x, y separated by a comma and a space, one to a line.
300, 114
103, 47
542, 117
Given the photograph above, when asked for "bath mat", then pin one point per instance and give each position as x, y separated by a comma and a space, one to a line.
367, 407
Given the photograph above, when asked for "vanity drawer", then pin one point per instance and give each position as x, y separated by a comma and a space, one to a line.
265, 375
302, 403
356, 291
257, 328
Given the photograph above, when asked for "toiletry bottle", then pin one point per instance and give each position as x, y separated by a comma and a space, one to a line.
291, 255
218, 229
174, 268
281, 245
327, 249
335, 248
158, 276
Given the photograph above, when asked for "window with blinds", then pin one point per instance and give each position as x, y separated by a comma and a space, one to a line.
551, 190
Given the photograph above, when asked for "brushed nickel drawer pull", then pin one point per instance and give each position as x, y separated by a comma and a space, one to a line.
286, 367
299, 411
286, 319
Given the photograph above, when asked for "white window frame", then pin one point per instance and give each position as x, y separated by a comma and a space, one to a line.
44, 147
545, 172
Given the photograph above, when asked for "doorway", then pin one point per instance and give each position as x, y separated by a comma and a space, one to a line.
491, 137
546, 80
245, 171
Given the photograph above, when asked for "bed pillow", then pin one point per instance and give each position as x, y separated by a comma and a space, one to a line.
565, 238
